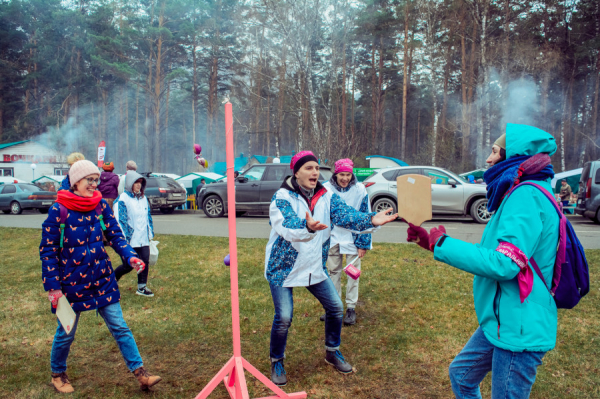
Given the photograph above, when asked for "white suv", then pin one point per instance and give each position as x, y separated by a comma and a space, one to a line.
450, 193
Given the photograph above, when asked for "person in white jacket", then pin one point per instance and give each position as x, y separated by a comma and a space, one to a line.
132, 211
344, 241
302, 214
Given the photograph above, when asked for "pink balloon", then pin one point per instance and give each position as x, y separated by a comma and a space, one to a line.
197, 149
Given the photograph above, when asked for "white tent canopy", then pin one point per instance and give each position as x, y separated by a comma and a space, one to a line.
564, 175
188, 179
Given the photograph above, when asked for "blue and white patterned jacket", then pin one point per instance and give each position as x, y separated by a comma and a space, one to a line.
356, 196
295, 256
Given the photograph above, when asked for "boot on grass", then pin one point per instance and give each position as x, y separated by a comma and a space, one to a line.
278, 375
146, 379
61, 382
336, 359
350, 318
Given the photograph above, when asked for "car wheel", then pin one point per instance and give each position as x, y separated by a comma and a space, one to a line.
167, 211
213, 207
479, 211
15, 208
43, 210
384, 203
596, 219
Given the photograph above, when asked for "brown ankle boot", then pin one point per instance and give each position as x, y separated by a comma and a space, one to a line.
61, 382
145, 379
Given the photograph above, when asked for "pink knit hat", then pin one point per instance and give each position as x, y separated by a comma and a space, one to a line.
343, 165
301, 158
80, 170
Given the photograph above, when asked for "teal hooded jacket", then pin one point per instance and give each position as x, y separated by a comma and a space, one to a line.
530, 222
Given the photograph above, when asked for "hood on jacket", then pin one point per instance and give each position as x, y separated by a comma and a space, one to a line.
131, 177
528, 140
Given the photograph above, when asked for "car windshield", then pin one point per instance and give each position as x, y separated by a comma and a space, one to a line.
29, 188
462, 179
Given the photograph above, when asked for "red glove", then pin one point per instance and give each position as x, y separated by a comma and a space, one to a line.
418, 235
423, 239
53, 296
434, 235
137, 264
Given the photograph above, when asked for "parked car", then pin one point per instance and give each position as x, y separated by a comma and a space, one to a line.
164, 193
450, 193
16, 197
588, 198
254, 189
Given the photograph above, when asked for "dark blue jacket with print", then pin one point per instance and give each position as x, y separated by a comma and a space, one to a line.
82, 269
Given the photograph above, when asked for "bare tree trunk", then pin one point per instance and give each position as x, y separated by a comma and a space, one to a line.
405, 83
434, 129
344, 99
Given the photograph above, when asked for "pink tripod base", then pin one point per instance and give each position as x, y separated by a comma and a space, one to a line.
234, 379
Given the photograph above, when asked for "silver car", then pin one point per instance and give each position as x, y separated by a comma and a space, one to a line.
450, 193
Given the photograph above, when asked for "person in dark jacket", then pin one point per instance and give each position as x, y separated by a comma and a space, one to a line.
109, 183
71, 159
76, 265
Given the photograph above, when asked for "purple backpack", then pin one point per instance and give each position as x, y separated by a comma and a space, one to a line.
571, 278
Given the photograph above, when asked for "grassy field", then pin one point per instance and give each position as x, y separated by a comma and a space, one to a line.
414, 316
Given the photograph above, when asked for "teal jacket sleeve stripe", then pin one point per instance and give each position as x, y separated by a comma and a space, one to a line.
518, 221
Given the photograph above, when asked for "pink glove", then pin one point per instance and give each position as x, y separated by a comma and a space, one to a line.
137, 264
418, 235
53, 296
434, 235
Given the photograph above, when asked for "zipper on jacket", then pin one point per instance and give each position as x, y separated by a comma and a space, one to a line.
309, 276
497, 305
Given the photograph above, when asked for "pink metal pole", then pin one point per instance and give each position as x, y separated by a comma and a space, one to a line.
232, 373
233, 271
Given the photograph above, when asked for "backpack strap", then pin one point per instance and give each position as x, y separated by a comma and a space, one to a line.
100, 216
561, 250
63, 219
539, 273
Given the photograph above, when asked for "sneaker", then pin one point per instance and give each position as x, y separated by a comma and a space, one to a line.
61, 382
144, 291
337, 360
350, 318
145, 379
322, 318
278, 373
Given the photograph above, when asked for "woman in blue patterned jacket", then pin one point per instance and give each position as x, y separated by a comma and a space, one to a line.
76, 265
301, 214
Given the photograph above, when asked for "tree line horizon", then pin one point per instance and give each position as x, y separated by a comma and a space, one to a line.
431, 82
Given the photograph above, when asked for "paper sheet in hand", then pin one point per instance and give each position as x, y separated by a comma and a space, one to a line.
65, 314
414, 198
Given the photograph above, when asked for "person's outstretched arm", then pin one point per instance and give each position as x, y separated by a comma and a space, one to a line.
345, 216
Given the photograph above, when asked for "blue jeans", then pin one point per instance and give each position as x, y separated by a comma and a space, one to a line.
113, 317
283, 299
513, 373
